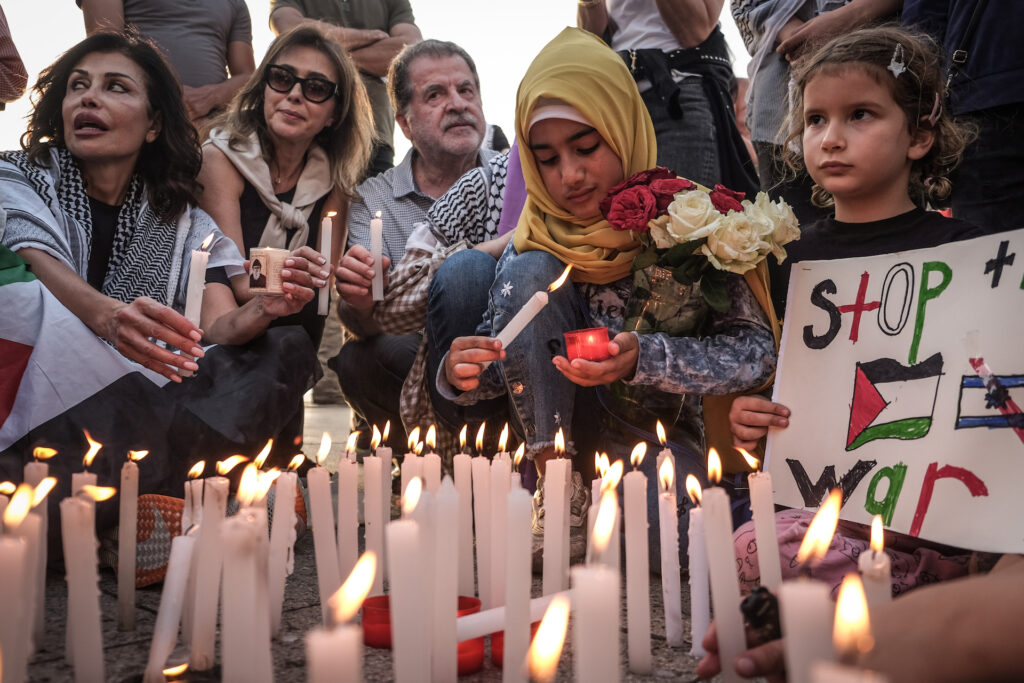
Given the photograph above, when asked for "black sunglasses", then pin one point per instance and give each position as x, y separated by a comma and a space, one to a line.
314, 89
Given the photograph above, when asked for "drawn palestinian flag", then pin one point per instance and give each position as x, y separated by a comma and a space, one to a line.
892, 400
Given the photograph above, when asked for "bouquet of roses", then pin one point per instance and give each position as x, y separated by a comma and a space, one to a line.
700, 235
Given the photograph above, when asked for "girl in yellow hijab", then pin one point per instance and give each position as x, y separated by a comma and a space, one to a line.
582, 129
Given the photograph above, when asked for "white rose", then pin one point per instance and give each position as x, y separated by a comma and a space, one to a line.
786, 226
740, 242
659, 232
692, 216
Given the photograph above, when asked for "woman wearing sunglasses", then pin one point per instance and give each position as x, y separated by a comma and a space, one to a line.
290, 148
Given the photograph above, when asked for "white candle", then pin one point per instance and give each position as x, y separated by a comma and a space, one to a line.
520, 320
875, 567
725, 586
78, 481
445, 589
80, 562
126, 532
481, 470
638, 605
595, 608
556, 524
408, 606
325, 548
500, 471
35, 472
348, 514
282, 545
165, 631
30, 530
668, 520
431, 472
335, 655
491, 620
518, 511
464, 485
326, 240
206, 594
197, 282
700, 596
412, 467
762, 505
13, 557
373, 514
245, 634
376, 251
830, 672
805, 612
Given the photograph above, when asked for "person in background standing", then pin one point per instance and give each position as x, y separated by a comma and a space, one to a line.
13, 76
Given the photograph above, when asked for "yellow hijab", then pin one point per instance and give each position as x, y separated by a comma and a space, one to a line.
580, 70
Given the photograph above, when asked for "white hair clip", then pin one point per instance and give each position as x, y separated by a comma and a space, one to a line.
897, 65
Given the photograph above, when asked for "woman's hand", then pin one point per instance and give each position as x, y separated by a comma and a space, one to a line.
304, 272
624, 350
131, 326
468, 357
751, 416
355, 277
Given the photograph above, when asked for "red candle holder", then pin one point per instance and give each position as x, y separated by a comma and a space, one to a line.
498, 644
377, 630
588, 344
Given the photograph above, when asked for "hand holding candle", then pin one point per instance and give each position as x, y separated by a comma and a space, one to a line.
529, 311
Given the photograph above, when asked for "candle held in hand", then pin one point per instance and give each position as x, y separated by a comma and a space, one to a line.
529, 311
376, 251
326, 241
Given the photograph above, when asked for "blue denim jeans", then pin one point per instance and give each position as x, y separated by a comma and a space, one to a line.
687, 145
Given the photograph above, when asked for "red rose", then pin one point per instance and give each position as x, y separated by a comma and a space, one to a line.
641, 178
632, 208
665, 189
724, 199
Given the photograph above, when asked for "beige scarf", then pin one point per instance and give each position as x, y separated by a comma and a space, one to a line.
314, 182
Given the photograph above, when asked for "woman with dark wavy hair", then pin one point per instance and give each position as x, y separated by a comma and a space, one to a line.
290, 148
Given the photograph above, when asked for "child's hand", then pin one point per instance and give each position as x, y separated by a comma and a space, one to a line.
764, 660
467, 358
751, 416
624, 350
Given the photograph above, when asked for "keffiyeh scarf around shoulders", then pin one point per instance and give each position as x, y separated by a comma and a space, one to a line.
48, 209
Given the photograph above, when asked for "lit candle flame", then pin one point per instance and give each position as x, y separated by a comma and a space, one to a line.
197, 470
503, 439
851, 634
94, 448
264, 481
375, 439
7, 488
350, 446
822, 527
412, 495
667, 475
414, 436
546, 647
480, 438
173, 671
558, 283
387, 432
296, 462
99, 493
559, 444
324, 450
228, 464
692, 488
431, 437
418, 448
603, 465
263, 455
136, 456
43, 490
605, 521
612, 477
248, 485
662, 439
462, 438
206, 242
378, 214
752, 462
18, 507
347, 600
637, 456
714, 466
519, 455
43, 453
877, 535
332, 214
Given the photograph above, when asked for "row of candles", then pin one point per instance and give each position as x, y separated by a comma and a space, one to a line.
211, 544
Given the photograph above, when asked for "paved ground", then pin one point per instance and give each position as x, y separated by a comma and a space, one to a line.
126, 653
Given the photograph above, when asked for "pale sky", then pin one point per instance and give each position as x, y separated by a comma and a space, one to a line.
502, 37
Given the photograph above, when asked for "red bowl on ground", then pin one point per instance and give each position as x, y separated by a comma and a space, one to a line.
588, 344
498, 644
377, 630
